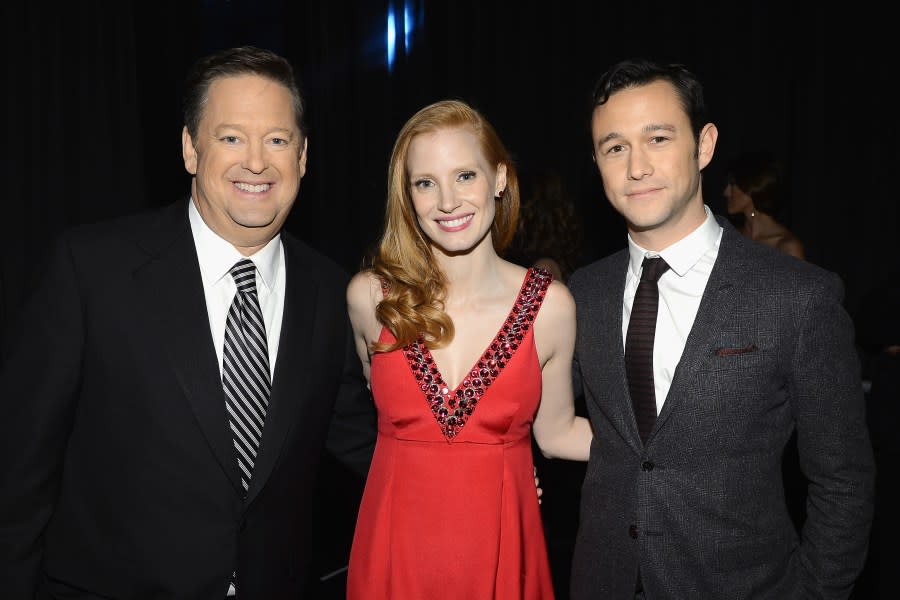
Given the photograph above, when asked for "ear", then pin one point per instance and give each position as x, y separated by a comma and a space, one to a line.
707, 144
303, 157
500, 183
188, 152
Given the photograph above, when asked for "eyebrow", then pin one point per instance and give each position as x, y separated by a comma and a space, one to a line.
650, 128
659, 126
456, 169
241, 128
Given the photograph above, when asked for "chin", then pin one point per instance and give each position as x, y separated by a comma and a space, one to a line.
257, 216
453, 249
646, 222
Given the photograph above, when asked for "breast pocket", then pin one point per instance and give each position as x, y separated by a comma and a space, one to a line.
737, 357
740, 384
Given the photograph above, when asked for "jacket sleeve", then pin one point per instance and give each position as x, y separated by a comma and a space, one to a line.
835, 452
39, 379
351, 436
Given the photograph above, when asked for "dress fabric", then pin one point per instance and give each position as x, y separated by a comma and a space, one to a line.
450, 509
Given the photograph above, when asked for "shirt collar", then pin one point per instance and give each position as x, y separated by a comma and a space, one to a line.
683, 254
217, 256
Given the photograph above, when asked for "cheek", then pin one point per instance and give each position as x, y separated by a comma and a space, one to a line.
611, 172
215, 167
490, 209
420, 205
423, 223
609, 189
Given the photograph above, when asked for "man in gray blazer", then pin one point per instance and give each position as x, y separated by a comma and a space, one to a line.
686, 500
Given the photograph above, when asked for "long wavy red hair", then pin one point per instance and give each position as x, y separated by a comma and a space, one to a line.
415, 286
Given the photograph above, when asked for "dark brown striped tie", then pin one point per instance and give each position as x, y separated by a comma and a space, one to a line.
639, 345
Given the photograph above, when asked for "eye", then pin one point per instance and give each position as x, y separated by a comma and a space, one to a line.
230, 139
466, 176
279, 141
658, 139
423, 184
615, 149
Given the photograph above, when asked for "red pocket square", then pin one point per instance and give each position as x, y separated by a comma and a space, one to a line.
731, 351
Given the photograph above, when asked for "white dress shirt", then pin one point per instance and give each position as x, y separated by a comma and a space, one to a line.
691, 261
216, 257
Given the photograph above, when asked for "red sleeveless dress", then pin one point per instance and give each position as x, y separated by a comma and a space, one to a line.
450, 509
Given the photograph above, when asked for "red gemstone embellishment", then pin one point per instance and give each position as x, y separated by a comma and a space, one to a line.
463, 400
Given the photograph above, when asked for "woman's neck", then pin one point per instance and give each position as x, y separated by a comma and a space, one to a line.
472, 273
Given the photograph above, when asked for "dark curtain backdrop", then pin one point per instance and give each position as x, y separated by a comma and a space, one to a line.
93, 108
93, 119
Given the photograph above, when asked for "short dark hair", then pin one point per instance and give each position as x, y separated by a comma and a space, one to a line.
636, 72
232, 62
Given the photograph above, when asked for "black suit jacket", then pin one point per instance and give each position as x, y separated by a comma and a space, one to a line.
701, 506
118, 477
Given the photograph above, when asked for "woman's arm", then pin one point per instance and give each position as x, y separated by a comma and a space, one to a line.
363, 295
557, 430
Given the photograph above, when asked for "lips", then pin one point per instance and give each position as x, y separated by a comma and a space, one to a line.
253, 188
640, 193
455, 224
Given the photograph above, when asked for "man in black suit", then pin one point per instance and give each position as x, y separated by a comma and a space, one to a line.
683, 495
120, 474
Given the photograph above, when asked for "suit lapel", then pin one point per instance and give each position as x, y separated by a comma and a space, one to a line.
606, 335
290, 372
717, 303
624, 411
172, 291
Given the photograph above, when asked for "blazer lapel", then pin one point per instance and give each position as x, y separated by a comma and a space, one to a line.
172, 289
606, 335
717, 303
290, 372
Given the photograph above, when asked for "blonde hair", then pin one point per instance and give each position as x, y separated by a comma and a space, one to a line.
414, 285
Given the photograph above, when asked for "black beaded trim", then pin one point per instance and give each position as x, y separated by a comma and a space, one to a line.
452, 408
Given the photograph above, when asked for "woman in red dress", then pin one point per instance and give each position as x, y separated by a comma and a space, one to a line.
467, 355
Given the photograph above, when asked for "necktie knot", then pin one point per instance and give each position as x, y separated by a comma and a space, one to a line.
244, 274
653, 268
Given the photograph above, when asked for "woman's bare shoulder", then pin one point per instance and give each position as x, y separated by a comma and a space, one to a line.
364, 290
550, 264
791, 244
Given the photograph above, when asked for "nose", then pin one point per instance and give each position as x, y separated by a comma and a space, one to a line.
255, 158
448, 202
639, 164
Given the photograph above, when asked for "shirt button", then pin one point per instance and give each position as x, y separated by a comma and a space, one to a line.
647, 466
632, 532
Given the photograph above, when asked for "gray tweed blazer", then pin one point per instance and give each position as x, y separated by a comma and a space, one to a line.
701, 508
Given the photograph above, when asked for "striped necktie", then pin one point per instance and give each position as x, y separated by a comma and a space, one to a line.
245, 369
639, 345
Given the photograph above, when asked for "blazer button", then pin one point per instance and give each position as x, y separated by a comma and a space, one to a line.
632, 532
646, 466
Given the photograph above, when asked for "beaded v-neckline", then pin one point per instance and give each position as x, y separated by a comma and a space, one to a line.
453, 407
